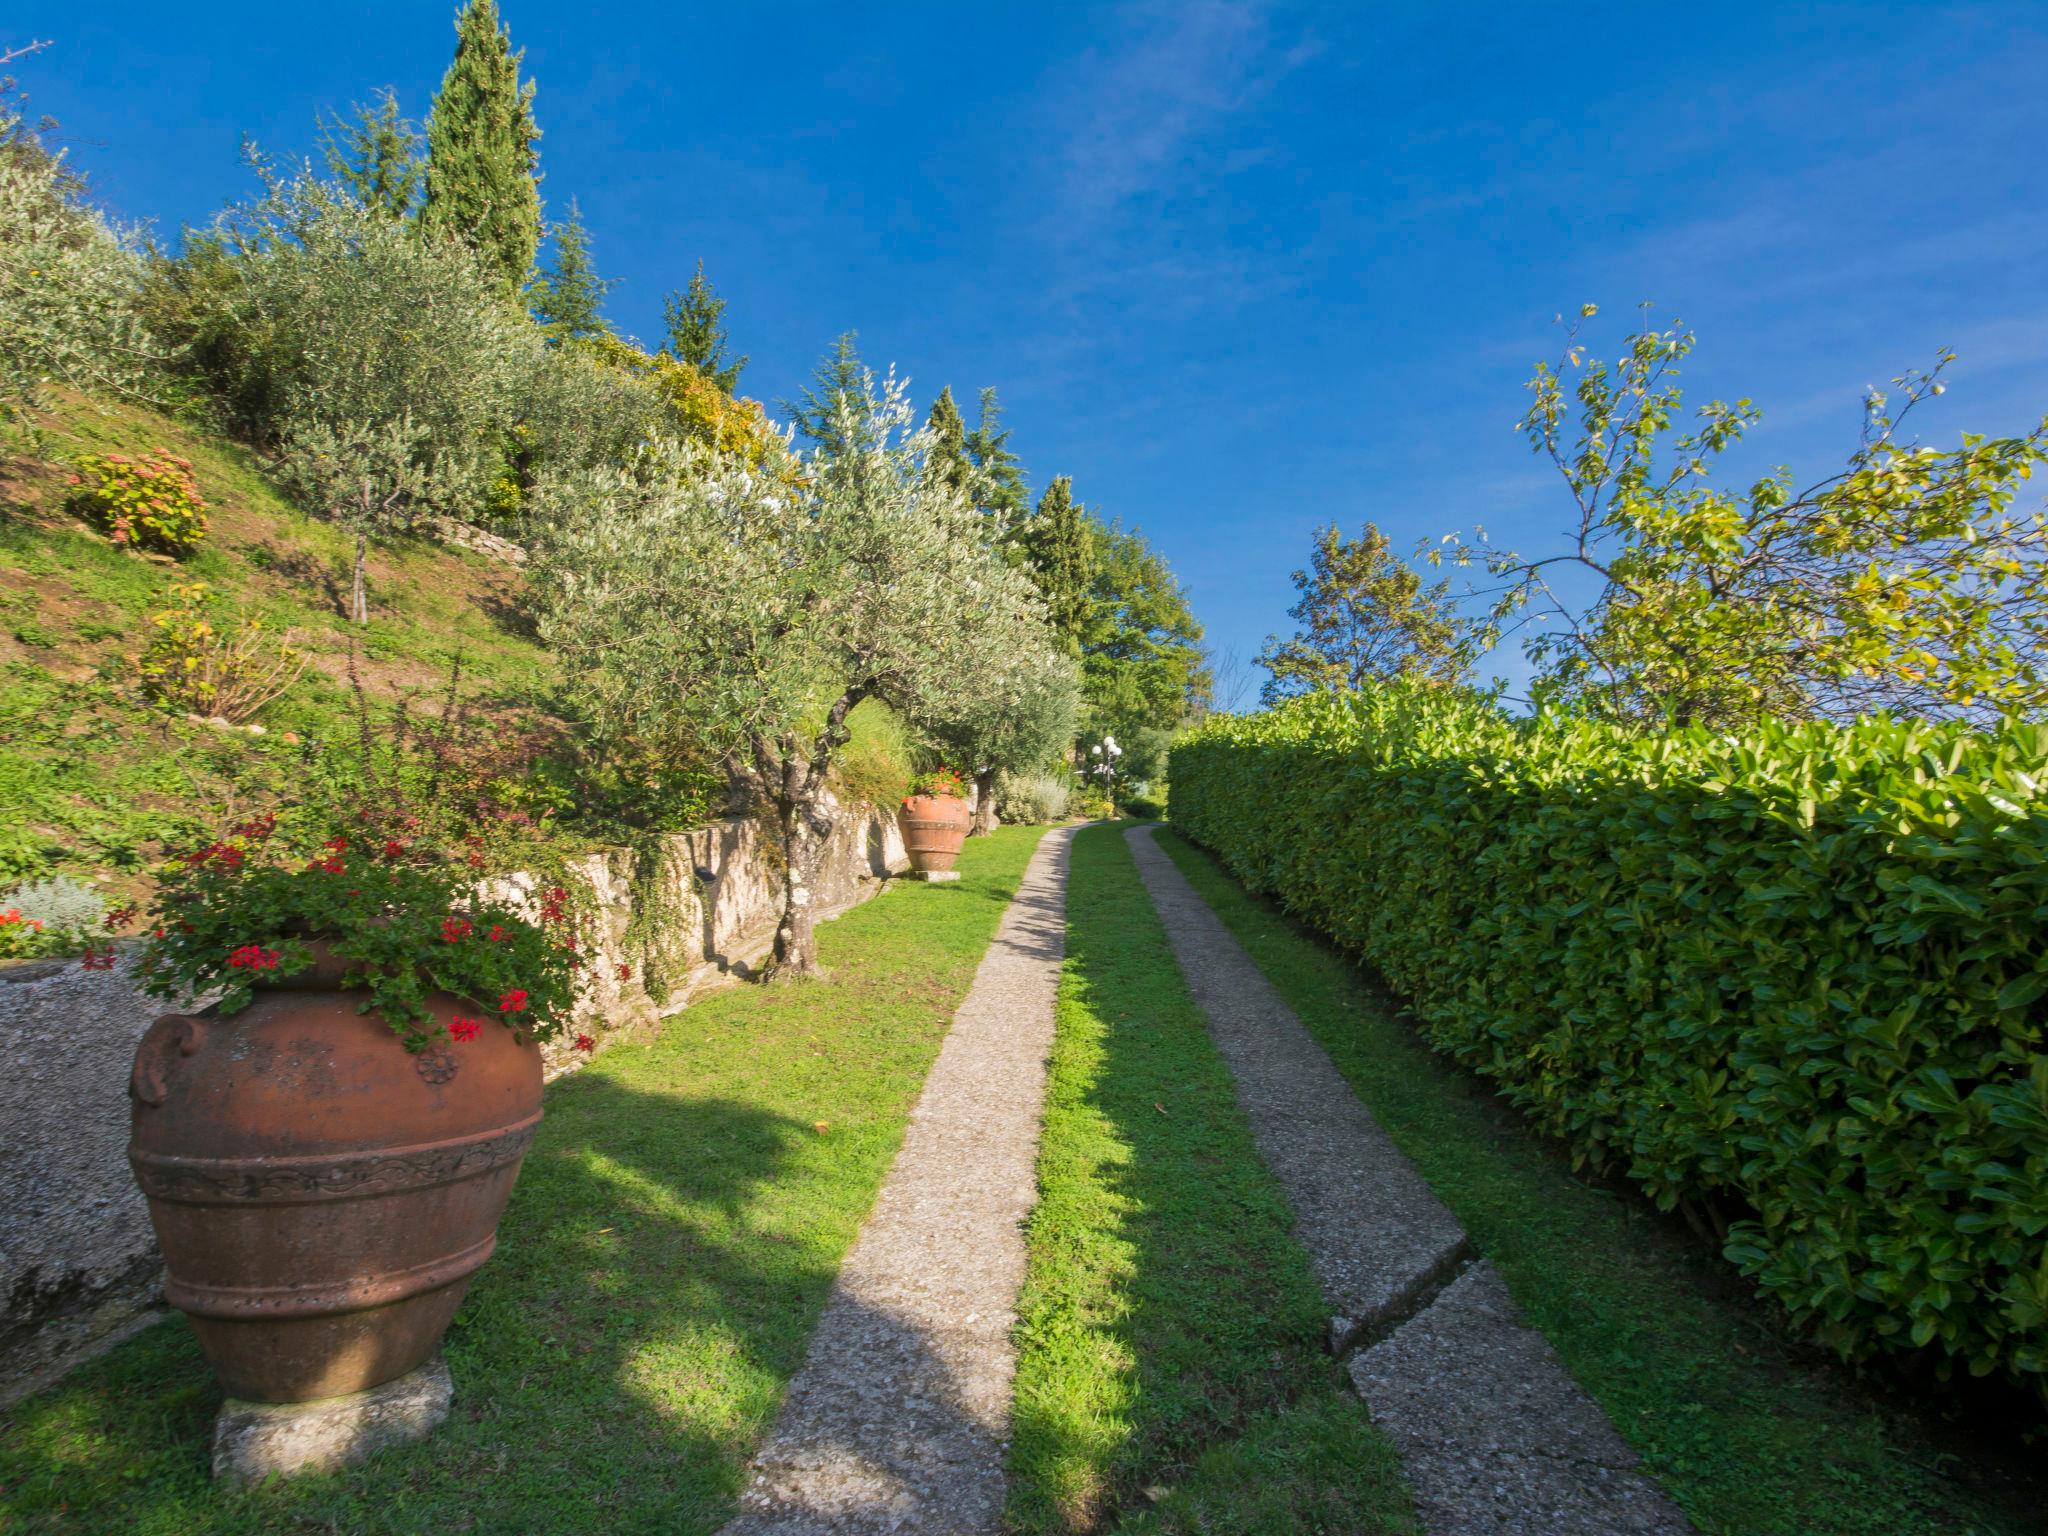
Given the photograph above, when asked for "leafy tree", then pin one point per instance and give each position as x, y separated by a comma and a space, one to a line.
828, 417
1141, 645
1908, 582
368, 476
683, 403
341, 335
949, 460
481, 187
1364, 614
568, 298
1020, 718
377, 156
1004, 499
69, 284
696, 332
748, 616
1062, 552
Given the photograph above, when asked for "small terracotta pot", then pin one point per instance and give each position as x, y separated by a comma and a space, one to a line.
934, 827
322, 1195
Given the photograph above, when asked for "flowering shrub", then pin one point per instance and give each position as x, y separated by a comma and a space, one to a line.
23, 938
147, 503
199, 664
48, 917
406, 920
940, 781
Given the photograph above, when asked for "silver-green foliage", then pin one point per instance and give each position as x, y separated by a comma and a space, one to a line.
748, 613
1034, 799
62, 905
1796, 979
348, 326
68, 284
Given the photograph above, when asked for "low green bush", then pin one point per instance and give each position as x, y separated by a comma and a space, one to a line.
1794, 981
1035, 799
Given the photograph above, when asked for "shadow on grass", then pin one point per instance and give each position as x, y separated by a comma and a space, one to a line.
613, 1364
664, 1257
1753, 1429
1172, 1371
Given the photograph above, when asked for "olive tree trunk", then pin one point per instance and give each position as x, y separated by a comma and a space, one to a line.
984, 804
795, 774
806, 827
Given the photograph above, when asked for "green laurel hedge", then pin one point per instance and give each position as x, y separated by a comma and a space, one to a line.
1795, 981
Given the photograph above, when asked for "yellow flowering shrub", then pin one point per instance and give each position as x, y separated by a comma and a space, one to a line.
200, 664
151, 502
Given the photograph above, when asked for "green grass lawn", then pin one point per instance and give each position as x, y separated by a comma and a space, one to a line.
1749, 1430
665, 1257
1171, 1375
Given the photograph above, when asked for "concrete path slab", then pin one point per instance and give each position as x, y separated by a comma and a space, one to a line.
1494, 1434
899, 1420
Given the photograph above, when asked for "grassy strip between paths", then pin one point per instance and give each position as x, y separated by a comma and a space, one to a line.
1750, 1432
665, 1257
1171, 1369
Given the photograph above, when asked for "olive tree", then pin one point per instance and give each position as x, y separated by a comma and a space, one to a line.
385, 371
69, 282
747, 610
1021, 717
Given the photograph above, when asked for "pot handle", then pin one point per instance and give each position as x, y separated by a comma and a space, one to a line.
171, 1038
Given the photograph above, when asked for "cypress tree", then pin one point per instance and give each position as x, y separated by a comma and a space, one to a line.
1005, 498
696, 332
481, 183
568, 298
377, 157
1063, 558
949, 461
840, 377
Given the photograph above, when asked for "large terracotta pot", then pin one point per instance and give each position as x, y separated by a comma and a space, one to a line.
322, 1196
934, 827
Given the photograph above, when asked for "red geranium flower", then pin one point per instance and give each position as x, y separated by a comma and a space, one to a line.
585, 1043
336, 844
254, 957
464, 1029
512, 1002
625, 971
393, 848
454, 928
497, 935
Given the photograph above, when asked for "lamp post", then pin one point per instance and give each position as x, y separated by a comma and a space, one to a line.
1104, 755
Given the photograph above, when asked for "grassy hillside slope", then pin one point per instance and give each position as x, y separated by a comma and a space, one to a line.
93, 779
97, 782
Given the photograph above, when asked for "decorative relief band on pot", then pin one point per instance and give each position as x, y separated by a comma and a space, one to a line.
257, 1303
298, 1180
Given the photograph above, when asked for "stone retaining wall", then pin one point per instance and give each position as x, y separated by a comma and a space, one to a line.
78, 1261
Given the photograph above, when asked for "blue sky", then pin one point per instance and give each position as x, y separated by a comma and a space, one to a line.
1239, 269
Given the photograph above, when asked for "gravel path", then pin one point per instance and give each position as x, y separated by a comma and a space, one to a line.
899, 1420
1493, 1432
